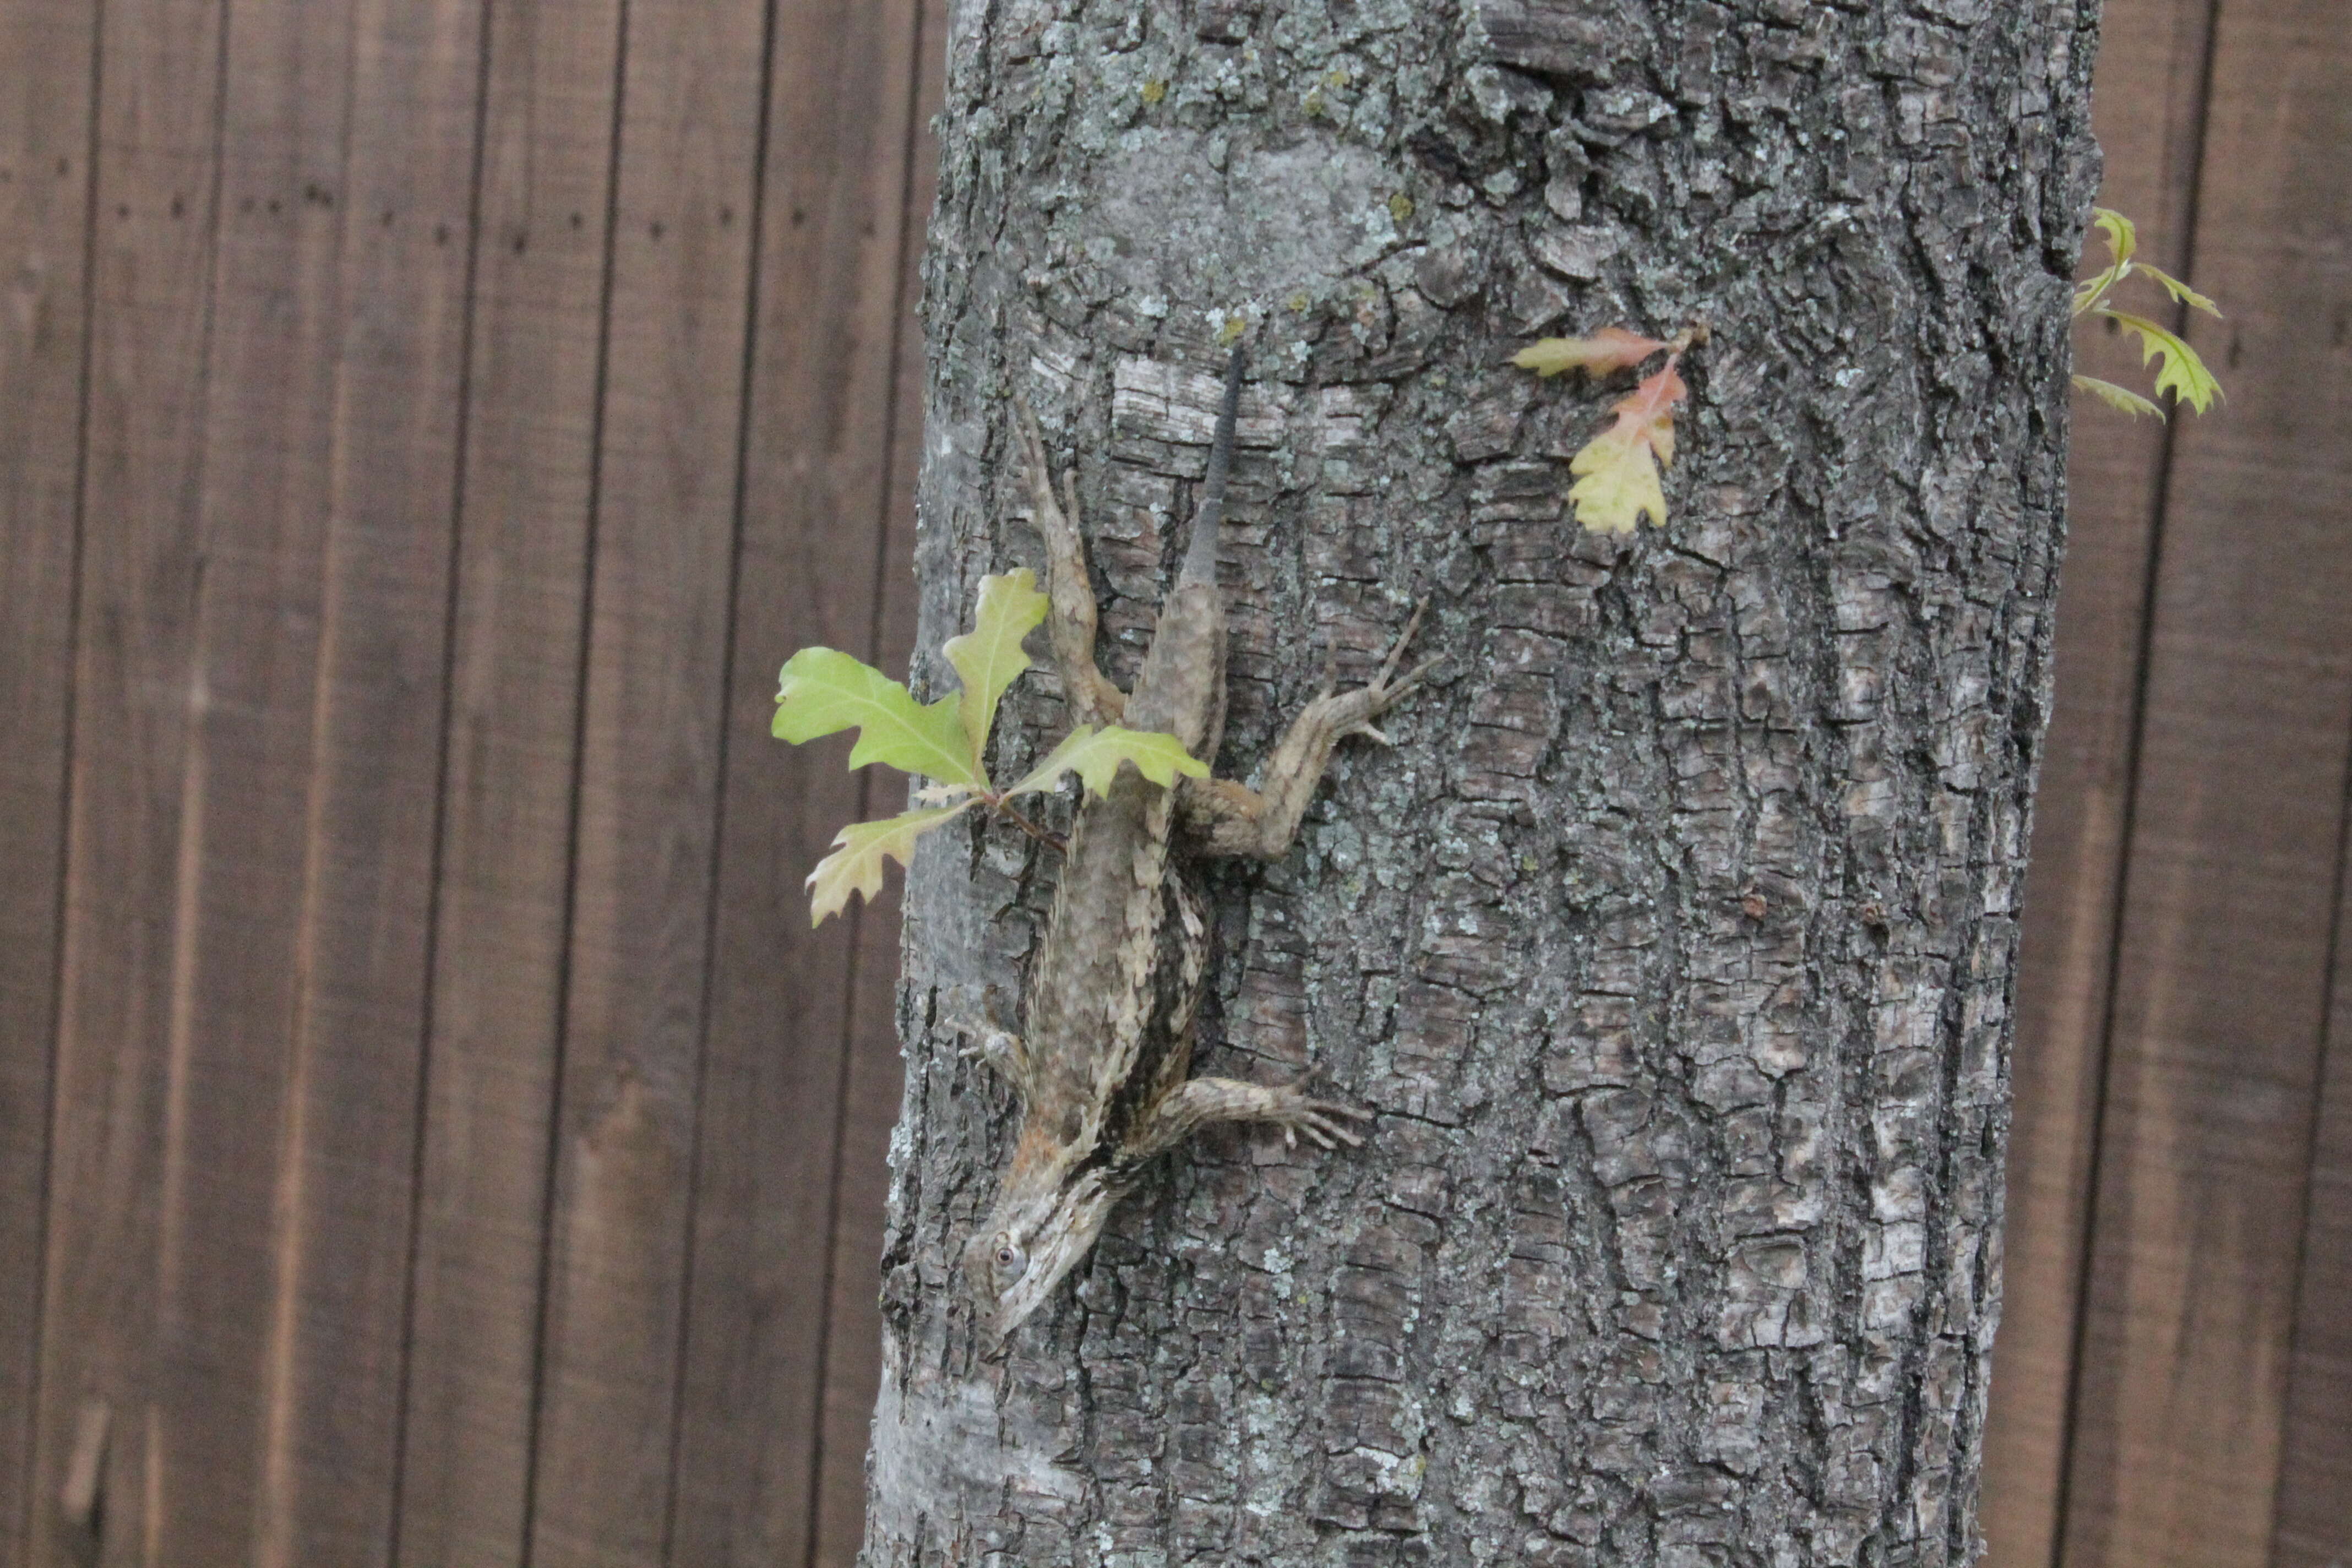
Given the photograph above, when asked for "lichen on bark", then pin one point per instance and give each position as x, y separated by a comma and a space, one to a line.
1672, 943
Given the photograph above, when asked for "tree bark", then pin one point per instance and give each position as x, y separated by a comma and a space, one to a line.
1673, 942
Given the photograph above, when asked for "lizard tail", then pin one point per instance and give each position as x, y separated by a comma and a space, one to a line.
1200, 550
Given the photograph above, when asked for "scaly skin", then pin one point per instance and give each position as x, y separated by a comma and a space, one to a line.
1103, 1071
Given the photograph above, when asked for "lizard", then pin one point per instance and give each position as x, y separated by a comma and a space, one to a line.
1103, 1070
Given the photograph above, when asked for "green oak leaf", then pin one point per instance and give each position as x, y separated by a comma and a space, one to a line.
822, 691
2117, 397
858, 851
2182, 291
2089, 292
2181, 374
1095, 755
2122, 235
989, 658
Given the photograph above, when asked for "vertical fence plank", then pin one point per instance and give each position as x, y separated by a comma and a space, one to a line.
47, 54
537, 313
2214, 1059
241, 856
834, 238
2148, 100
650, 769
150, 283
853, 1364
392, 343
237, 1086
2314, 1518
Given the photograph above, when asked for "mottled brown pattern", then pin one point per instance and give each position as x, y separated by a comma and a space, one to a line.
1103, 1073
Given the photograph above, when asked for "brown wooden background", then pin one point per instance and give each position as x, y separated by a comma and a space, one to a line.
428, 1131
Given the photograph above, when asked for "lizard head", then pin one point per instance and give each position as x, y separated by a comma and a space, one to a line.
1029, 1242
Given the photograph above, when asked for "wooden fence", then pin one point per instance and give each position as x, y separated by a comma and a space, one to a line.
428, 1131
2173, 1380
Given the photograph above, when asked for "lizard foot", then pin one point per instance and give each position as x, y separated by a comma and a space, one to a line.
1000, 1049
1323, 1121
1197, 1102
1224, 817
1351, 712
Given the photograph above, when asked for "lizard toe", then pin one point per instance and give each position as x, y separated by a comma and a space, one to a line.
1323, 1122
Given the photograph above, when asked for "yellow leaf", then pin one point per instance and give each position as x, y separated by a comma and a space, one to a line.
822, 691
1611, 348
2119, 397
2181, 374
1095, 755
1618, 470
990, 658
1619, 486
858, 851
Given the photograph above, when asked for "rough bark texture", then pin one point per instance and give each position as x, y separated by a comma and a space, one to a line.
1673, 943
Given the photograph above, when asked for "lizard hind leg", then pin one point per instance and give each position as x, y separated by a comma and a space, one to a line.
1196, 1103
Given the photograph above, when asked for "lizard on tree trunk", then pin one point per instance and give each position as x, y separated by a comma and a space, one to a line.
1102, 1071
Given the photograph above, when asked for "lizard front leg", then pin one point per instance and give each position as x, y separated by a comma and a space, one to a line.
1070, 616
1223, 817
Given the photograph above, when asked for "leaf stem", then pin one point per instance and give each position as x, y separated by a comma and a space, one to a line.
2101, 287
1003, 808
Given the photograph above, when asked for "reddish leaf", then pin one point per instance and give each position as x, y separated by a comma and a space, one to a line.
1618, 468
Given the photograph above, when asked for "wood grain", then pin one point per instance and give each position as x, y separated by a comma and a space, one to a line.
394, 346
257, 1325
2314, 1523
46, 53
823, 492
2221, 985
2148, 104
537, 293
652, 752
128, 921
272, 973
243, 858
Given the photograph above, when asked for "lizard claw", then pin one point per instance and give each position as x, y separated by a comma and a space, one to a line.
1387, 689
1325, 1122
1396, 650
1413, 681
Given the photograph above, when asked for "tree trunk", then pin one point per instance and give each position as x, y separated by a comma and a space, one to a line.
1672, 943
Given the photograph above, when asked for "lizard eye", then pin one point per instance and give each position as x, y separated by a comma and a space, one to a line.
1011, 1261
